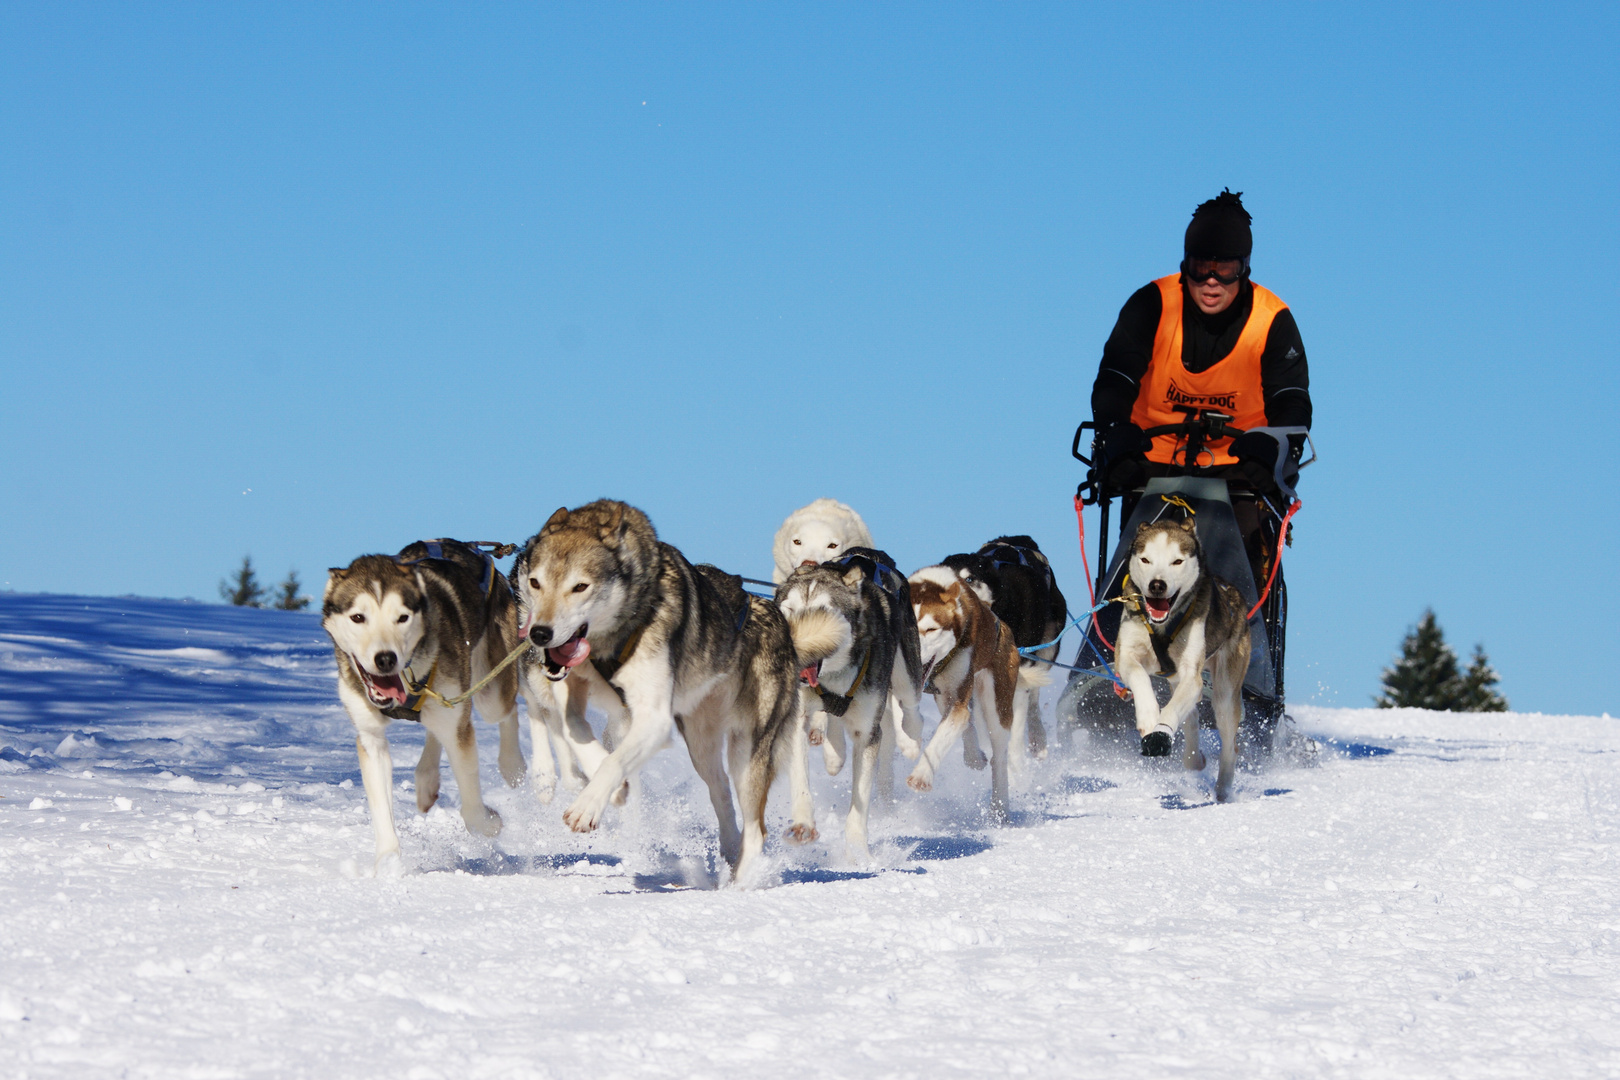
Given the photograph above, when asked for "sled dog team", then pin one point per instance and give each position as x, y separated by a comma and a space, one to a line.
597, 611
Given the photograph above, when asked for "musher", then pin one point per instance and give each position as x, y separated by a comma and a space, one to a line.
1205, 340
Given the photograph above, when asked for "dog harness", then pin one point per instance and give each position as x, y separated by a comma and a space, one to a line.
1231, 384
435, 553
997, 551
880, 570
838, 704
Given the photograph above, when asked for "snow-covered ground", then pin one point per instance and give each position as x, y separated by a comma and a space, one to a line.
183, 844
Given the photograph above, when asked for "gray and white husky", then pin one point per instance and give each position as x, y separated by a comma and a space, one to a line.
606, 600
438, 616
1180, 619
856, 636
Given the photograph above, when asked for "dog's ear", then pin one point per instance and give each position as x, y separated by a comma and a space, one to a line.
337, 573
402, 570
853, 576
1189, 525
614, 525
555, 521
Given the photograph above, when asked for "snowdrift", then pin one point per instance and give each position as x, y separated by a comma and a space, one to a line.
183, 840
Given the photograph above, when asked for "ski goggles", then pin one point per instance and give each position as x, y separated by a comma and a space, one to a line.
1225, 271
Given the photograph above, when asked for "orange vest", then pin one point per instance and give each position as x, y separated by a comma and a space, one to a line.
1230, 385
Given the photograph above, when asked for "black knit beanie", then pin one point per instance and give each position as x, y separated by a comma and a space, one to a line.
1220, 229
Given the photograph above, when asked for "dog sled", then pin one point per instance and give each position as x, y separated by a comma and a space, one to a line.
1094, 697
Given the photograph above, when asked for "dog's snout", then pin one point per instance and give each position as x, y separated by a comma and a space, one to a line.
1156, 587
540, 635
385, 661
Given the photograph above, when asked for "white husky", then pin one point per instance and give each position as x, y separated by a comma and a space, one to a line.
815, 533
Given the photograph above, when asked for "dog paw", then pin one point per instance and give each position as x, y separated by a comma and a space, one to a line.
919, 783
801, 834
488, 825
545, 788
1156, 744
513, 771
618, 797
390, 865
1194, 761
426, 797
580, 819
816, 738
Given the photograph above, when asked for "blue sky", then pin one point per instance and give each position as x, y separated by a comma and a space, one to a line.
309, 282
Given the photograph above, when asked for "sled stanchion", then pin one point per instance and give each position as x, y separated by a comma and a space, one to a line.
1091, 592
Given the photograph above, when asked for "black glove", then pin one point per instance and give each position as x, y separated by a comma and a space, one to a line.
1122, 455
1257, 459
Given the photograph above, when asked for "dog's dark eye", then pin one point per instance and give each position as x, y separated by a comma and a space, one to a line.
797, 542
357, 618
1144, 558
581, 587
404, 618
832, 546
534, 583
1177, 562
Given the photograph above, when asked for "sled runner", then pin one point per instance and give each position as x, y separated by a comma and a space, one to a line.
1092, 695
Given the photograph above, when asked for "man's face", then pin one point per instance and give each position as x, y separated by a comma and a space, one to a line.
1212, 295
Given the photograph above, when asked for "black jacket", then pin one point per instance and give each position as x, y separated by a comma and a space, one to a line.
1206, 339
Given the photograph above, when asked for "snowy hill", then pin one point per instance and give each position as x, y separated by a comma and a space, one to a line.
181, 827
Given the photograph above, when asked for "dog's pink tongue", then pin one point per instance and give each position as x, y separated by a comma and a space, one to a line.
388, 687
570, 653
1159, 608
811, 674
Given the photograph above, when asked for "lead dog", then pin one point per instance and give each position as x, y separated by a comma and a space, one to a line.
1179, 620
855, 634
675, 643
438, 616
968, 661
813, 534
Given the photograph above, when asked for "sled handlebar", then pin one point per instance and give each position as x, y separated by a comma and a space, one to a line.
1211, 425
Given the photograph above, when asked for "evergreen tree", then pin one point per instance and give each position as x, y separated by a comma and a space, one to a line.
1425, 676
243, 588
1478, 682
288, 599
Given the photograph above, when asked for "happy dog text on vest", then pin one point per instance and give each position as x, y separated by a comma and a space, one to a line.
1175, 395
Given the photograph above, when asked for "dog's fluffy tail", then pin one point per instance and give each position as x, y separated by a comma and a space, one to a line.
1032, 675
816, 635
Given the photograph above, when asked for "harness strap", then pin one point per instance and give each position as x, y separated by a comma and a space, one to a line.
610, 667
944, 662
486, 582
415, 694
838, 704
